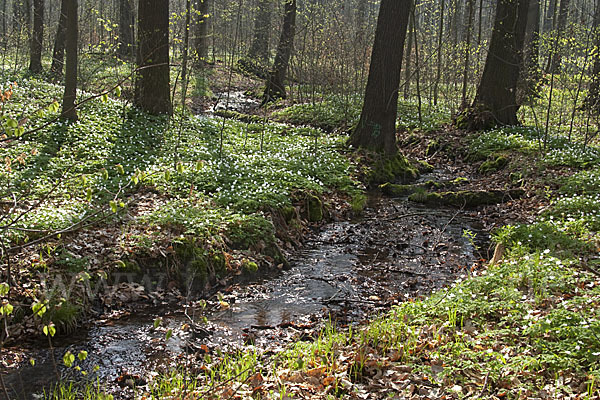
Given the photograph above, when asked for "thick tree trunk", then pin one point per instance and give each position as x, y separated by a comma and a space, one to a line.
530, 76
376, 129
72, 33
202, 37
126, 24
495, 102
35, 52
275, 86
259, 50
58, 55
152, 92
556, 58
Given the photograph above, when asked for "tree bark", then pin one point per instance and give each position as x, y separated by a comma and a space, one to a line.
202, 36
438, 73
563, 14
530, 76
72, 35
550, 16
126, 24
495, 102
58, 55
376, 129
275, 85
35, 52
152, 92
259, 50
592, 100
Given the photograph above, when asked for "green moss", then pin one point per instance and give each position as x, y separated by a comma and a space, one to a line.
491, 166
459, 181
466, 198
314, 208
289, 213
390, 169
433, 147
394, 190
424, 166
358, 203
249, 266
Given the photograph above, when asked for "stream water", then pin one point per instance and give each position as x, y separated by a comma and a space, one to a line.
347, 272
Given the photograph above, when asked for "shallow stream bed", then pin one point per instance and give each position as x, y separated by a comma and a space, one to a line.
346, 273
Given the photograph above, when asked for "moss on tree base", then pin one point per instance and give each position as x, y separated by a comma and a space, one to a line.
395, 168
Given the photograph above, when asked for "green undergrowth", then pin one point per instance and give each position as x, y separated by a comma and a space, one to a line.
343, 112
525, 327
553, 150
114, 152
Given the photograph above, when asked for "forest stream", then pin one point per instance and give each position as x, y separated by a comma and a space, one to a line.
346, 273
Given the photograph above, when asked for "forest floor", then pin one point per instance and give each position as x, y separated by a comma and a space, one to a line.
120, 196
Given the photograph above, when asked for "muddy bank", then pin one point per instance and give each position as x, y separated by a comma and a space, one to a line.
347, 272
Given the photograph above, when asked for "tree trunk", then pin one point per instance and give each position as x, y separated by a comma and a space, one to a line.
152, 92
202, 36
58, 55
35, 52
495, 102
563, 13
438, 73
259, 50
376, 129
126, 24
407, 59
550, 16
529, 76
467, 63
72, 32
275, 86
592, 100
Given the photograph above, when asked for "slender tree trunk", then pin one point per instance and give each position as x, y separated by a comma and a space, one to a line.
202, 29
376, 129
126, 24
440, 42
592, 101
58, 55
275, 85
72, 33
407, 58
550, 17
186, 47
466, 66
530, 75
495, 102
563, 14
35, 52
152, 92
259, 50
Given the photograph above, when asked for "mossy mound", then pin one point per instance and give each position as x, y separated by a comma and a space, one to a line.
466, 198
396, 168
314, 208
494, 165
433, 147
